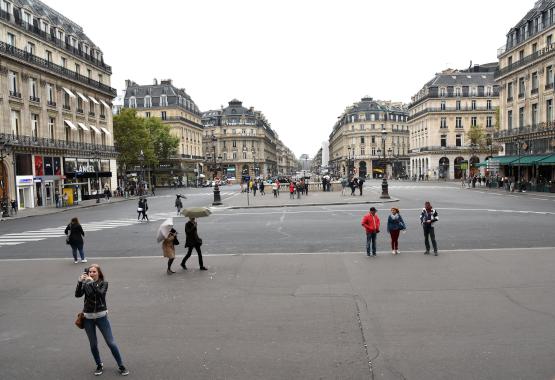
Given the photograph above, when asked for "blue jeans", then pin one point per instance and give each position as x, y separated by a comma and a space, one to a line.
371, 242
106, 330
74, 249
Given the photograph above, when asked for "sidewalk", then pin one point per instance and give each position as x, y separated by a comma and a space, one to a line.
316, 198
515, 193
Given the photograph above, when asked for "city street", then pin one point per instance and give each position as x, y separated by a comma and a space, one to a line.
289, 292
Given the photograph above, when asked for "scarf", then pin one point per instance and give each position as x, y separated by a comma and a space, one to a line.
395, 217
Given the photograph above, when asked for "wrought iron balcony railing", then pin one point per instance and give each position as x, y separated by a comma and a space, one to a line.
546, 52
51, 104
34, 99
15, 94
16, 53
527, 129
24, 141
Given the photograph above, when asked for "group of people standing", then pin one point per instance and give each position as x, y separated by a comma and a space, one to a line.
353, 184
395, 225
298, 187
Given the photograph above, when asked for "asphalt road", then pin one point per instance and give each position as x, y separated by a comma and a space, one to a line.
469, 219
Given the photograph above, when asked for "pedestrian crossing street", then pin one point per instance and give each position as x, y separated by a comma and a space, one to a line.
17, 238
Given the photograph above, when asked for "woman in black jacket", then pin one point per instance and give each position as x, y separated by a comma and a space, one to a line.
75, 239
192, 241
92, 285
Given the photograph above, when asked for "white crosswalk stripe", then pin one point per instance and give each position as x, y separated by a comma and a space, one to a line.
16, 238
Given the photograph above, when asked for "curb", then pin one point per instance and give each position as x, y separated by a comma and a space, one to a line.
313, 204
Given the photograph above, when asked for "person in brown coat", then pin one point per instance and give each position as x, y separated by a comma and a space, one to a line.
168, 247
192, 241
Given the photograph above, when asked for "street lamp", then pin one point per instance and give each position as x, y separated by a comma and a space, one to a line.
520, 144
4, 147
96, 153
385, 192
350, 162
142, 178
217, 197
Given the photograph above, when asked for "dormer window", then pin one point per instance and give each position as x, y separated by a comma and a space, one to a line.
132, 102
442, 91
6, 6
28, 18
163, 101
148, 101
457, 91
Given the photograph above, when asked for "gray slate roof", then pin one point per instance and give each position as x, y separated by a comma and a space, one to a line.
155, 91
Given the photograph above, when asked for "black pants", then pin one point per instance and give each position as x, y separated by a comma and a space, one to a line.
190, 250
429, 233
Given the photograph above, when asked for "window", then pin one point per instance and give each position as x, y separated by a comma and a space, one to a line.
534, 83
49, 56
442, 91
33, 90
489, 91
164, 115
132, 102
66, 101
510, 119
224, 131
534, 114
549, 40
51, 126
509, 91
93, 137
521, 117
521, 87
81, 136
549, 110
457, 91
549, 77
30, 48
11, 39
443, 123
362, 139
92, 108
79, 104
458, 105
473, 121
147, 114
244, 155
234, 143
521, 55
100, 78
534, 47
15, 122
473, 104
458, 122
489, 122
362, 127
362, 152
13, 83
163, 101
443, 141
63, 62
373, 139
77, 68
488, 104
442, 105
458, 140
89, 73
509, 61
148, 101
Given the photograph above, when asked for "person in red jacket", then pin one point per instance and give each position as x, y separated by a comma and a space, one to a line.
371, 224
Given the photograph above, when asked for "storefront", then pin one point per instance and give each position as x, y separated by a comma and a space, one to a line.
47, 179
25, 191
86, 177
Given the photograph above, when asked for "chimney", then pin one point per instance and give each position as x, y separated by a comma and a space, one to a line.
166, 82
155, 81
127, 83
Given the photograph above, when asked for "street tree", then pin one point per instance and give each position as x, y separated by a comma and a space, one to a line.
477, 136
163, 143
130, 138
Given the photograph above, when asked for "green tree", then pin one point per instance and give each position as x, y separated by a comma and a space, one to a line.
163, 143
130, 137
477, 136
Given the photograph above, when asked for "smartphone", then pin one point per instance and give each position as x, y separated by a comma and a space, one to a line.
86, 270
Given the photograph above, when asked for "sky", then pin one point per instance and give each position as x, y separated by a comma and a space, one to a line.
299, 62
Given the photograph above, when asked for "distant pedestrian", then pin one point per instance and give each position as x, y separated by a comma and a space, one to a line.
13, 210
371, 224
178, 204
299, 189
142, 208
344, 184
192, 241
360, 184
254, 188
275, 189
75, 235
278, 184
428, 217
168, 248
291, 190
65, 200
56, 198
262, 188
395, 224
153, 190
93, 286
306, 187
352, 185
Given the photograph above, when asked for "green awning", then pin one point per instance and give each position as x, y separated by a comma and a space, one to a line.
549, 160
482, 164
504, 160
529, 160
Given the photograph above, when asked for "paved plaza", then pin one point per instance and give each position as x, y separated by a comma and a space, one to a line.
289, 292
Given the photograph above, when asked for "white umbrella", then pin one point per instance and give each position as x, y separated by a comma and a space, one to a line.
164, 229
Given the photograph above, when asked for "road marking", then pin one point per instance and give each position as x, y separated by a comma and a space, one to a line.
541, 199
513, 250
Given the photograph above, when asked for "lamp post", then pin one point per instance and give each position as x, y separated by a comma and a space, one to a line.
4, 147
142, 178
96, 153
350, 161
519, 146
385, 192
217, 197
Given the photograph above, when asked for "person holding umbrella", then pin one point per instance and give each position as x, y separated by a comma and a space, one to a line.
192, 238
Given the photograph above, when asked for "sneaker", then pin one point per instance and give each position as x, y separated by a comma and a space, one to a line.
427, 252
123, 371
84, 260
99, 369
76, 262
393, 252
169, 271
397, 251
203, 268
435, 253
374, 254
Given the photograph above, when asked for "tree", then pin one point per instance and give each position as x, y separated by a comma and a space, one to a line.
130, 137
477, 136
163, 143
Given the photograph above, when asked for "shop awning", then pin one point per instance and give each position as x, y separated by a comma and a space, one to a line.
549, 160
93, 100
482, 164
83, 126
69, 92
70, 125
95, 129
83, 97
105, 131
105, 104
529, 160
504, 160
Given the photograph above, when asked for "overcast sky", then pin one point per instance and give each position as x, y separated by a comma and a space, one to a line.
299, 62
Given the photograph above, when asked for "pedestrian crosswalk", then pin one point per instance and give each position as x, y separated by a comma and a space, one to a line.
17, 238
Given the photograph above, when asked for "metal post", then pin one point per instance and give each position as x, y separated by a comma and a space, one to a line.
518, 144
385, 190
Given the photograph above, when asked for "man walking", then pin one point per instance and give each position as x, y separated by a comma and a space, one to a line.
427, 218
371, 224
360, 184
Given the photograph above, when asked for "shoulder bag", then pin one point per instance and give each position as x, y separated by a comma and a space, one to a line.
80, 320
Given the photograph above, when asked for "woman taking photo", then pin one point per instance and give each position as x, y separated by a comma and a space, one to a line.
395, 224
93, 286
75, 239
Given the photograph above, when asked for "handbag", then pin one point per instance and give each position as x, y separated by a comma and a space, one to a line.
67, 240
175, 241
139, 209
80, 320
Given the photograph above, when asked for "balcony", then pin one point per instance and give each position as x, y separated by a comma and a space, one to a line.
66, 107
534, 91
51, 104
546, 52
102, 117
509, 98
434, 94
34, 99
549, 86
92, 114
15, 94
41, 143
80, 110
48, 37
529, 34
511, 134
449, 109
22, 55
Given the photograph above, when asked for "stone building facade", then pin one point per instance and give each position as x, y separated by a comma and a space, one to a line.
356, 145
174, 107
526, 96
55, 108
239, 142
440, 116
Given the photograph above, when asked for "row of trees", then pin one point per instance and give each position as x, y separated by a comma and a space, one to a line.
133, 134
